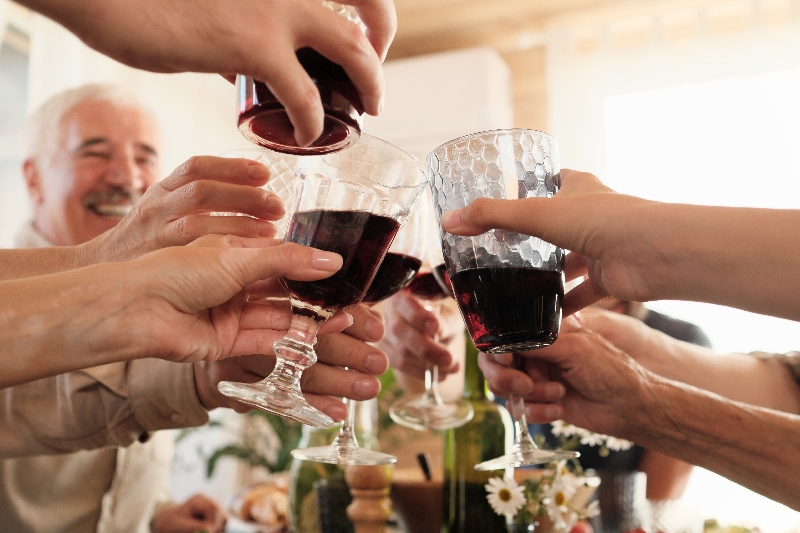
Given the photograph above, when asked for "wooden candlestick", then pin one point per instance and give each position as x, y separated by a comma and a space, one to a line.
371, 507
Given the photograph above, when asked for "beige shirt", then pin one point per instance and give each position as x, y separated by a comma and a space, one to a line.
116, 483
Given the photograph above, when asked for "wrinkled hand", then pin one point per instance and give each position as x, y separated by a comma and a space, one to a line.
416, 337
198, 513
581, 378
175, 211
256, 38
325, 382
190, 304
585, 217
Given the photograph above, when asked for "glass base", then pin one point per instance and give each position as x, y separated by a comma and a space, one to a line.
277, 399
530, 457
344, 455
421, 414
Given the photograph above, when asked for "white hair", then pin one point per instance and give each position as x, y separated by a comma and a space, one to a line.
43, 126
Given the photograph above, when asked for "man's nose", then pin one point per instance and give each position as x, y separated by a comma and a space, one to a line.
125, 172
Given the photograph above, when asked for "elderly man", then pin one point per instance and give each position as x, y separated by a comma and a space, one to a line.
91, 153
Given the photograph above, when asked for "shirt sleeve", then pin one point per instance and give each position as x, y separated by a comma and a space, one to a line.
110, 405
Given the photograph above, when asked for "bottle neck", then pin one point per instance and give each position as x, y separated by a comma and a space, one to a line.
474, 382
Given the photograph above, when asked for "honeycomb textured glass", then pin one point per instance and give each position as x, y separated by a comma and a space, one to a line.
505, 164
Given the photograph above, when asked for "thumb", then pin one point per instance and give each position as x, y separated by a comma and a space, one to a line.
289, 260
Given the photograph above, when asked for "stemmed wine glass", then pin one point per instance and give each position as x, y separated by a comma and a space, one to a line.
428, 411
509, 286
352, 203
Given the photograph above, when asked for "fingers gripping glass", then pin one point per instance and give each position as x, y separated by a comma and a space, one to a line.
351, 203
509, 286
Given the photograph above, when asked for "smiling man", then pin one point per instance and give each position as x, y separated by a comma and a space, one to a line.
91, 153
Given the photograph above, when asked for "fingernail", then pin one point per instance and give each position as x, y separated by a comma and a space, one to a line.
553, 391
267, 229
364, 387
380, 104
520, 386
258, 172
376, 363
451, 219
274, 205
349, 318
326, 260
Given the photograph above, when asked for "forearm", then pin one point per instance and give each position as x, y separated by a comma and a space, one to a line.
62, 322
743, 258
740, 377
755, 447
25, 263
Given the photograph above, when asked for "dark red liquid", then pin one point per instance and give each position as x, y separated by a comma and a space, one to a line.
361, 238
425, 286
394, 274
263, 120
510, 308
443, 278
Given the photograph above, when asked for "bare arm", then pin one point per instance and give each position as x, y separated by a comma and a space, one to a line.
740, 377
640, 250
608, 392
182, 304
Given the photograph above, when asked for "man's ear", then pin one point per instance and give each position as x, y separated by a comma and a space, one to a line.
33, 181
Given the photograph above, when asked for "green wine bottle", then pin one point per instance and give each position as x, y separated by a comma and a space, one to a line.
488, 435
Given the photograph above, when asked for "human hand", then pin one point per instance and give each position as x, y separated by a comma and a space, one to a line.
417, 337
324, 383
581, 378
257, 38
190, 302
175, 211
198, 513
587, 218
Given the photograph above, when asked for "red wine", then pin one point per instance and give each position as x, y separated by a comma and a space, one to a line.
360, 237
443, 278
263, 120
395, 273
425, 286
510, 308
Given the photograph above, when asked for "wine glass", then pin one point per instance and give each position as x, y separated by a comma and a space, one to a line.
351, 203
428, 411
509, 286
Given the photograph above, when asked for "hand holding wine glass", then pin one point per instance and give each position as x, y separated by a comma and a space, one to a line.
509, 286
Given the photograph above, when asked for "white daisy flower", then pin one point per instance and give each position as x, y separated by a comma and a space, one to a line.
618, 445
505, 496
561, 428
591, 439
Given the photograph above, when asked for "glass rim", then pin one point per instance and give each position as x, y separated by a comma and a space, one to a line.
492, 132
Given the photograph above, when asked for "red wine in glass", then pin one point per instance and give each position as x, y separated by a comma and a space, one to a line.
425, 287
394, 274
360, 237
510, 308
263, 119
443, 278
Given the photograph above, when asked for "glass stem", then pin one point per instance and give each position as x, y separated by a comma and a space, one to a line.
431, 395
523, 440
295, 351
346, 439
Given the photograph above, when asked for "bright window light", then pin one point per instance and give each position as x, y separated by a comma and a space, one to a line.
733, 142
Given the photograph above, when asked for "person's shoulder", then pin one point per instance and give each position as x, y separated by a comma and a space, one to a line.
677, 328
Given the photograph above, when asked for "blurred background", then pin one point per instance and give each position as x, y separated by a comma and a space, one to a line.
693, 101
